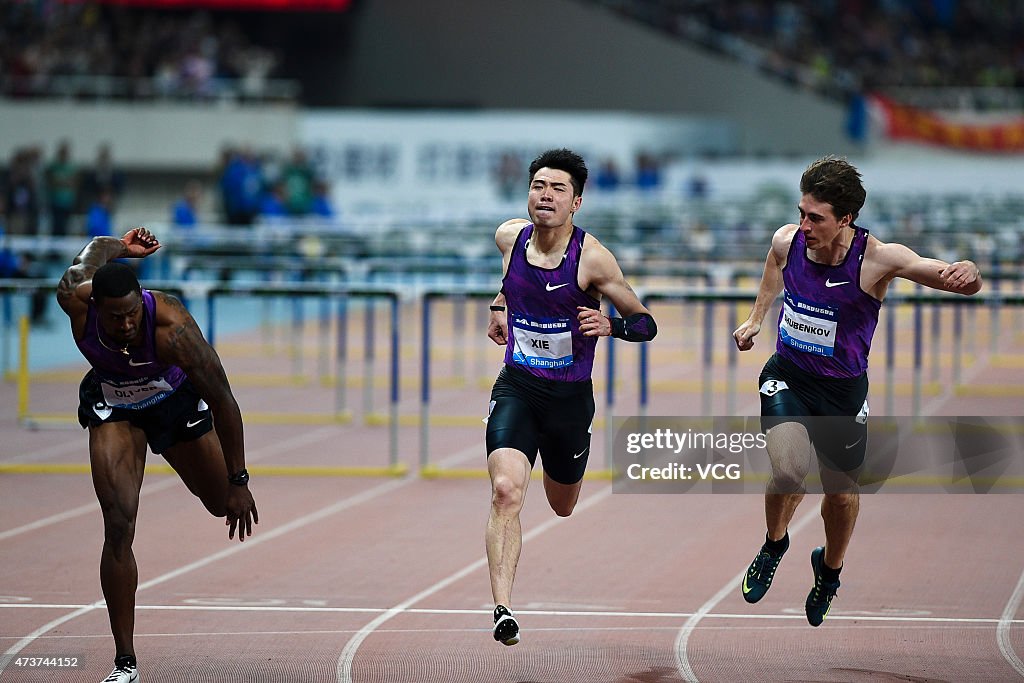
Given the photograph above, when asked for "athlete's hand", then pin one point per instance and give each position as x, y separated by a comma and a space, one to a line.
241, 512
593, 323
744, 335
140, 242
959, 275
497, 328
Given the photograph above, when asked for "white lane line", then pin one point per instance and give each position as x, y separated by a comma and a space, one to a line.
237, 547
1003, 629
348, 654
437, 611
682, 640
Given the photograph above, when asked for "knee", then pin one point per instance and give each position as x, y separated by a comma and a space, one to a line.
785, 480
842, 501
118, 528
506, 494
563, 509
217, 508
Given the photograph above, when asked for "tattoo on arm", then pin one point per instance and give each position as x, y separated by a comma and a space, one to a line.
188, 349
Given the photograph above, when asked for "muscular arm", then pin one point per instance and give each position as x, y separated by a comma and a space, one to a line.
892, 260
769, 289
75, 286
505, 239
180, 341
600, 273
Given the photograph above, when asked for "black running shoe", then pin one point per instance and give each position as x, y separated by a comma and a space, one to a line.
819, 600
758, 578
506, 628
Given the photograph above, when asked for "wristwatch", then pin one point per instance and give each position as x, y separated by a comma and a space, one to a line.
239, 478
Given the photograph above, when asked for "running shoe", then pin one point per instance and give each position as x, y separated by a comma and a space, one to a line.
125, 671
758, 578
819, 600
506, 628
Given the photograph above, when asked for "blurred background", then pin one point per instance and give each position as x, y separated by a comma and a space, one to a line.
373, 142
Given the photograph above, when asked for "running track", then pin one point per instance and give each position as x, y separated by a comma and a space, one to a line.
384, 579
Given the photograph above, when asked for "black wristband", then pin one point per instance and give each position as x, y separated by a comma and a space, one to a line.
639, 327
239, 478
497, 308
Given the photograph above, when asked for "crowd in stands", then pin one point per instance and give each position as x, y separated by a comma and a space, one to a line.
46, 45
261, 187
850, 46
49, 195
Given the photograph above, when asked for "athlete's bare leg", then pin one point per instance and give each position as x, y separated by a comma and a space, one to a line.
509, 470
790, 451
562, 497
117, 452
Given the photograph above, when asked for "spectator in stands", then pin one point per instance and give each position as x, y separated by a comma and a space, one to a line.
21, 192
272, 205
103, 174
322, 207
185, 211
99, 220
297, 179
13, 265
648, 172
241, 186
608, 178
62, 183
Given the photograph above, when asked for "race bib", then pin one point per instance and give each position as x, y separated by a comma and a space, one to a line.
542, 342
134, 394
808, 326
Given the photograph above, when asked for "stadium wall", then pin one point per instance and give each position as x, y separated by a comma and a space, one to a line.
146, 136
564, 55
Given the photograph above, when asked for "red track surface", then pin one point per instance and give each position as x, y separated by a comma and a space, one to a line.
376, 579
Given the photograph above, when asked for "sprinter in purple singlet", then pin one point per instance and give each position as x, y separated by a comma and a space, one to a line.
156, 381
548, 314
833, 276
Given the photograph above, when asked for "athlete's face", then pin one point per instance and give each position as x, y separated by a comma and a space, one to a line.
121, 317
818, 222
551, 202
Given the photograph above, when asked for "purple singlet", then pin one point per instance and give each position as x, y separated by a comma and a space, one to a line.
544, 332
827, 321
135, 379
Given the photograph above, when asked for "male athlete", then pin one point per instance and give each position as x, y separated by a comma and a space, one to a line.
154, 380
548, 316
814, 388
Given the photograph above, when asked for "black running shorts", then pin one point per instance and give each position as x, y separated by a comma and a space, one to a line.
833, 410
532, 414
182, 416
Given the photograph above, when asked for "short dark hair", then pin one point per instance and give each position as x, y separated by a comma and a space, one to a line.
836, 181
114, 280
563, 160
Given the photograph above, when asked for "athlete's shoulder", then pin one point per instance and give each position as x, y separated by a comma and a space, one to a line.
892, 255
168, 309
782, 240
506, 234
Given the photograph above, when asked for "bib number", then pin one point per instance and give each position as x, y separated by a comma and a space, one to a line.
808, 326
542, 342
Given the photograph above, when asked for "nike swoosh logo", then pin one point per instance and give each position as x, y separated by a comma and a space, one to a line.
551, 289
193, 424
135, 365
581, 453
851, 445
746, 588
829, 283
